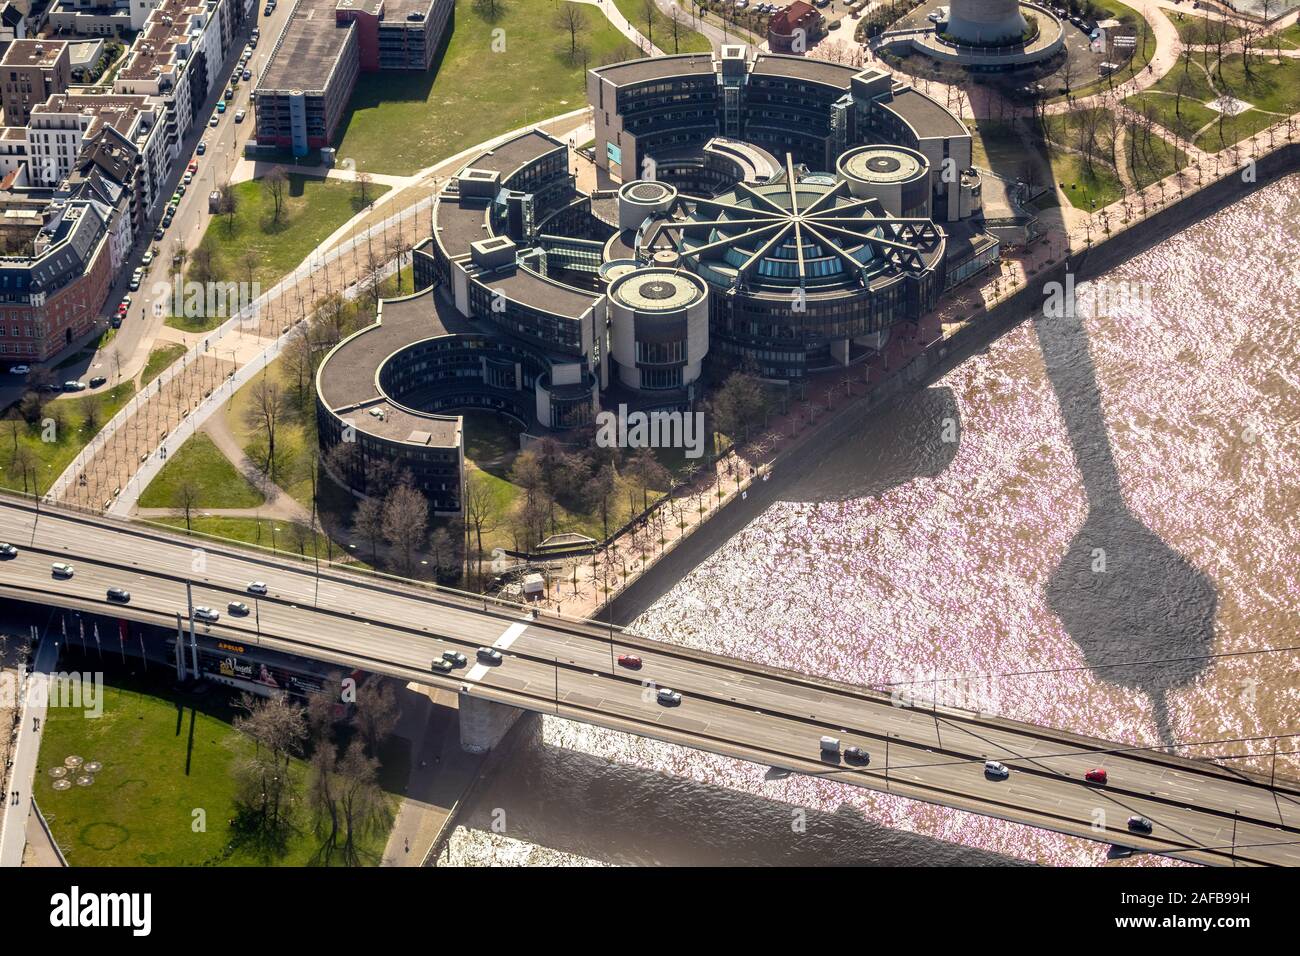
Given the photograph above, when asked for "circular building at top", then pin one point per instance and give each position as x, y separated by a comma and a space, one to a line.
659, 327
986, 22
895, 175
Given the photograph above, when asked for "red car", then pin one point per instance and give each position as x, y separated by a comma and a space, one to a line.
629, 660
1096, 775
193, 166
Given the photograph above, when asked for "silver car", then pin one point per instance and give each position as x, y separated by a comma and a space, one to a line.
996, 770
668, 697
202, 613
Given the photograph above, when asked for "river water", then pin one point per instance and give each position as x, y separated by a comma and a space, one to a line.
1122, 490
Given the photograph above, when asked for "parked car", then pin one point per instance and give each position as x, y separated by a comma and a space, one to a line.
193, 167
455, 658
97, 381
247, 75
74, 386
120, 595
668, 697
239, 115
238, 608
1140, 824
203, 613
19, 369
116, 321
8, 551
489, 655
221, 106
1096, 775
256, 587
158, 233
630, 661
230, 95
61, 570
997, 771
214, 120
268, 10
200, 149
147, 257
187, 178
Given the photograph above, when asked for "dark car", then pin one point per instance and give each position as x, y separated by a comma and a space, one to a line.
120, 595
97, 381
856, 755
489, 655
1140, 824
454, 658
8, 551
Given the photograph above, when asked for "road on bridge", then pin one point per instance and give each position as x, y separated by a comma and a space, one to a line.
1201, 811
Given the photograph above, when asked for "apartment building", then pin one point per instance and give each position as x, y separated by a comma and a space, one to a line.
30, 71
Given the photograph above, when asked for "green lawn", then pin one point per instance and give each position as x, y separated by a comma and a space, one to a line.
219, 484
489, 438
1192, 31
165, 755
313, 208
660, 28
1184, 117
1113, 9
1086, 188
52, 457
261, 532
400, 123
159, 359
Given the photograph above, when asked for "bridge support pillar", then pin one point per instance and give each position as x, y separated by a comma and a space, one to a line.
484, 722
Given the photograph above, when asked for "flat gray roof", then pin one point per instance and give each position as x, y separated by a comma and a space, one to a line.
656, 68
515, 153
458, 222
803, 68
926, 116
349, 376
528, 288
309, 48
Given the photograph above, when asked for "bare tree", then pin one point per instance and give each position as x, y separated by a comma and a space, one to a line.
275, 185
264, 785
573, 21
264, 414
481, 510
405, 522
186, 499
368, 524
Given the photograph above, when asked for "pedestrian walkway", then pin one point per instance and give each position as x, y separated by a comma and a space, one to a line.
18, 804
441, 774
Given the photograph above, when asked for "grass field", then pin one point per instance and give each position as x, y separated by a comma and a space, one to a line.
1085, 187
1198, 31
257, 249
660, 29
159, 359
218, 483
51, 457
478, 87
165, 795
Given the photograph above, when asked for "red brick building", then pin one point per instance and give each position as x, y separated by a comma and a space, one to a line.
793, 29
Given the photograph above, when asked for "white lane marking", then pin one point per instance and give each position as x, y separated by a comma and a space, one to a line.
508, 637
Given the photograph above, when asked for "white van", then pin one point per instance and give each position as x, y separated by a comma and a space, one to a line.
830, 745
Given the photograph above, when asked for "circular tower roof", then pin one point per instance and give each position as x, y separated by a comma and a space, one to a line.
657, 290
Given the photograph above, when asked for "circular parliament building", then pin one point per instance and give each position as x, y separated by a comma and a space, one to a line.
758, 211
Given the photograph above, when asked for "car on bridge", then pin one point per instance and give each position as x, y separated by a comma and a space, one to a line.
238, 608
455, 658
207, 614
1095, 775
856, 755
8, 551
120, 595
256, 587
630, 661
996, 770
1140, 824
61, 570
668, 697
489, 655
440, 665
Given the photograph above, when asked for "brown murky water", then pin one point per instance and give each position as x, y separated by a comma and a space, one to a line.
1107, 546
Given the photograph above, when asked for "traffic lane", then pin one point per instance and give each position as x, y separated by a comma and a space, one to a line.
717, 720
700, 678
991, 742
